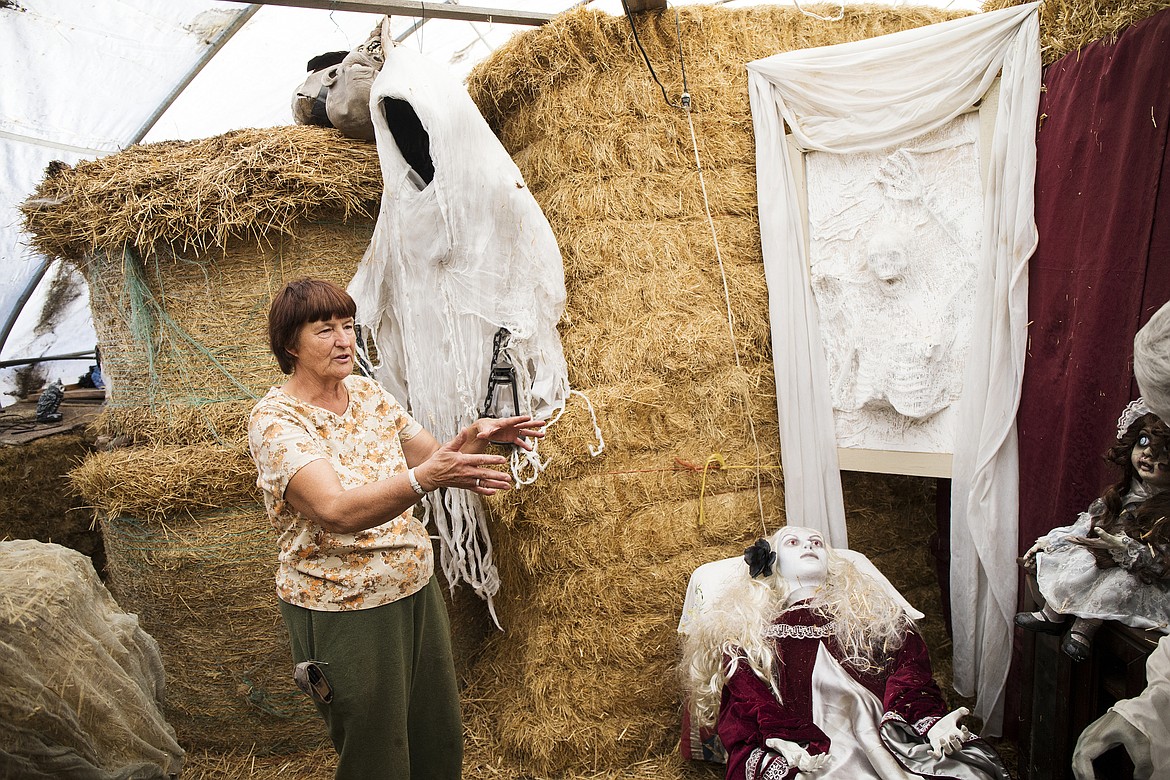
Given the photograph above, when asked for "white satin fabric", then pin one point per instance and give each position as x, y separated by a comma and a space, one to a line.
850, 716
875, 94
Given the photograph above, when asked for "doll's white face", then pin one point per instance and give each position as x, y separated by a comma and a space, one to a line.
801, 557
1154, 471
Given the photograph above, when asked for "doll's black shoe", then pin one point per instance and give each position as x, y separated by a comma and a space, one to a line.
1077, 646
1032, 621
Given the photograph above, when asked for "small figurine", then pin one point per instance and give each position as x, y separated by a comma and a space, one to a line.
1113, 563
811, 669
49, 402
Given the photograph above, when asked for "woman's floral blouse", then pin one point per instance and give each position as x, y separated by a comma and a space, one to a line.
336, 571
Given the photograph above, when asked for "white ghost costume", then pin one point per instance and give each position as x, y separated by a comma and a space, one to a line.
461, 249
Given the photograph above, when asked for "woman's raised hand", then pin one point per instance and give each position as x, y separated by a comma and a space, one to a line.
510, 430
448, 467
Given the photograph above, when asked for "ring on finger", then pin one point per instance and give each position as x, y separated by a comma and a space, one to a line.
477, 481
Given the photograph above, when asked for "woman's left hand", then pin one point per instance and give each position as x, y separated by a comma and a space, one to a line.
510, 430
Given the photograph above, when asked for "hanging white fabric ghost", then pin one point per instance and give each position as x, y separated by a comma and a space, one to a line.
461, 249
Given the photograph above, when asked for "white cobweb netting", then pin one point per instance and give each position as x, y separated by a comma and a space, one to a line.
81, 684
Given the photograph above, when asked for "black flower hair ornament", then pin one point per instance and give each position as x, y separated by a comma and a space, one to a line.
759, 558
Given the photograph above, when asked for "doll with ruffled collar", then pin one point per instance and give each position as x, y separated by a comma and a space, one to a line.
809, 668
1113, 563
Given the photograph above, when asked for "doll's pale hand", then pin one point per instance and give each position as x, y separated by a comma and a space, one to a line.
946, 735
797, 756
1114, 543
1040, 546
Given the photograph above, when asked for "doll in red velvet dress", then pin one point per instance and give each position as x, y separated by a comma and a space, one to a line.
815, 671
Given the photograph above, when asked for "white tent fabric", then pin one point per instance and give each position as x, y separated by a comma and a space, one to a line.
58, 106
875, 94
453, 259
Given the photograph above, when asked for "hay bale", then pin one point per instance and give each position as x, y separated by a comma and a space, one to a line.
81, 684
1067, 25
183, 245
185, 341
38, 502
195, 197
595, 556
161, 482
202, 586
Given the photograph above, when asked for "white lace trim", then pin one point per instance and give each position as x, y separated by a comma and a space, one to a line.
776, 768
922, 726
752, 764
785, 631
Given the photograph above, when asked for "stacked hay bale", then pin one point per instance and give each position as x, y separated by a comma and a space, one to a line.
1067, 25
596, 555
183, 245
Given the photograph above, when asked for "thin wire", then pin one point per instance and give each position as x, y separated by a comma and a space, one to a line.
834, 18
646, 57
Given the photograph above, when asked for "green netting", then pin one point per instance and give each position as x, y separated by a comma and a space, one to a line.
184, 339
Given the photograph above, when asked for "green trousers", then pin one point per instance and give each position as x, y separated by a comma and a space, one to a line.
395, 708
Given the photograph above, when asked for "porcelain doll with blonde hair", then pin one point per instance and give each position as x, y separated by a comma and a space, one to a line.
810, 668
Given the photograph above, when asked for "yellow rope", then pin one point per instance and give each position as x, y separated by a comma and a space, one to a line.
721, 464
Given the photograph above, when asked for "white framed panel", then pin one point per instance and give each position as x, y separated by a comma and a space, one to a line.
893, 241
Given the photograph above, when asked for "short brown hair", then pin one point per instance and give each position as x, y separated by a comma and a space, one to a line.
299, 302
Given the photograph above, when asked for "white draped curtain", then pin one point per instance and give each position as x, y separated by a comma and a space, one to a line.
872, 95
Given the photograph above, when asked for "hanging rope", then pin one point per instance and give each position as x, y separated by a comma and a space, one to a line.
684, 104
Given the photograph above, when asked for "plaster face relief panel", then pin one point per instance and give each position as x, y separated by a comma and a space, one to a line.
893, 247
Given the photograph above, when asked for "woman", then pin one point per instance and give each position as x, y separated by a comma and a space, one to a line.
341, 465
814, 670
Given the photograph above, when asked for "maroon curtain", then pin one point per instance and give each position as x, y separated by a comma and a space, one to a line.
1102, 266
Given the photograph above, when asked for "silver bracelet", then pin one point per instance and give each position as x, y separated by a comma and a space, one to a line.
417, 488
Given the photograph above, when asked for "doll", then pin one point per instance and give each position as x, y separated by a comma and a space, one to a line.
811, 669
1113, 563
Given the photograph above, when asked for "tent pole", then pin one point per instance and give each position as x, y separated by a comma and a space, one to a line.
33, 281
224, 36
420, 8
